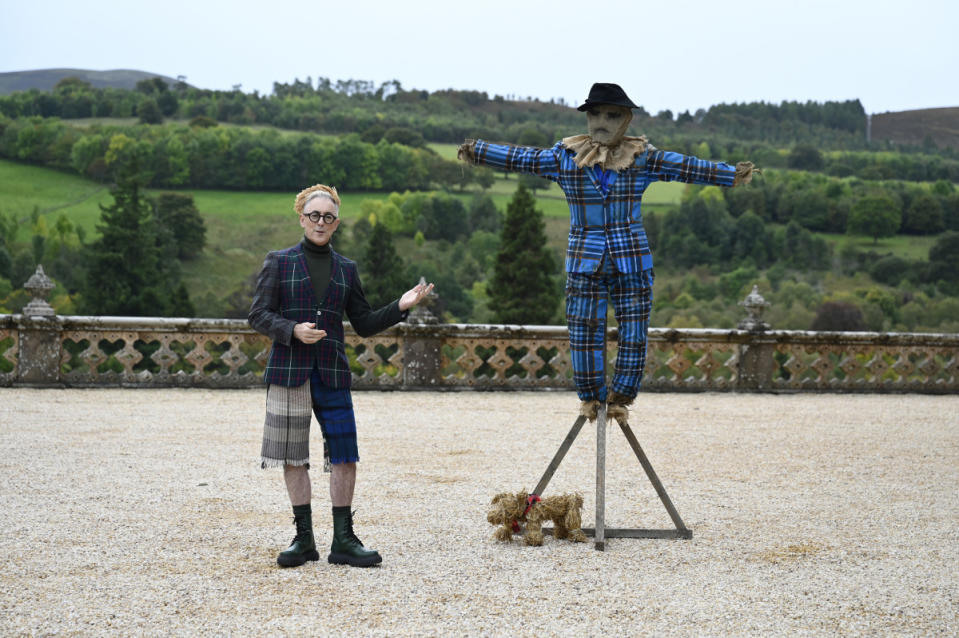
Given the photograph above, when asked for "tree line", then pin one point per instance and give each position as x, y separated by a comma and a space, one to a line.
772, 222
230, 157
356, 106
203, 156
835, 205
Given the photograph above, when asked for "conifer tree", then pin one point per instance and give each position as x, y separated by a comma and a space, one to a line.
522, 289
178, 215
382, 268
125, 271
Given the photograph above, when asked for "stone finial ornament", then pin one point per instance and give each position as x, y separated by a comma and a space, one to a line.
420, 314
755, 305
39, 286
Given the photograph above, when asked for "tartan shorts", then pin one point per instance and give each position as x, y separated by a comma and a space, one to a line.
586, 299
333, 408
286, 431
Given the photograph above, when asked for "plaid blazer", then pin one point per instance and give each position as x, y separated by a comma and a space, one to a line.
284, 297
605, 223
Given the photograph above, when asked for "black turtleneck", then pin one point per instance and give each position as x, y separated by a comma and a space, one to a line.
319, 261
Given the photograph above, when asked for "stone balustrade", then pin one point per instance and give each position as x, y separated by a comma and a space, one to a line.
226, 353
40, 348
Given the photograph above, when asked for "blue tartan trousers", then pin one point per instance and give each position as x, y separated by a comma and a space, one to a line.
586, 298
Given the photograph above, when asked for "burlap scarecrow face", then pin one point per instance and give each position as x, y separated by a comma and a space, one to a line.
608, 123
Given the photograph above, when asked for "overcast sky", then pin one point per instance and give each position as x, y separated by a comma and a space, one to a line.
674, 55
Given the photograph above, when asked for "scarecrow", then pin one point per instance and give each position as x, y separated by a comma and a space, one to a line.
603, 175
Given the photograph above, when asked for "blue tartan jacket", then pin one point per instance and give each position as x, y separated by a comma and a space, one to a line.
284, 297
610, 223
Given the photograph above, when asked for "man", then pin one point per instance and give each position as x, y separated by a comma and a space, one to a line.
603, 175
301, 295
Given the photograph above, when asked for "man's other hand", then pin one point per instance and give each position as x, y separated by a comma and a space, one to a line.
307, 332
414, 295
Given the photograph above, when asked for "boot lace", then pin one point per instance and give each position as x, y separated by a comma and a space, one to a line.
302, 530
349, 530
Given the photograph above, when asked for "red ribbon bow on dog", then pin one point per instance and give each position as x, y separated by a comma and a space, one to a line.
531, 500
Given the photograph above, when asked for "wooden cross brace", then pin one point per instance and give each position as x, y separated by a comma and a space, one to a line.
600, 533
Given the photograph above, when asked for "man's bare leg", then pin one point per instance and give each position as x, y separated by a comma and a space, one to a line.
342, 482
297, 479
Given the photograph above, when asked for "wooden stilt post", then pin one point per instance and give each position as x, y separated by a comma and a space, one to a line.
599, 536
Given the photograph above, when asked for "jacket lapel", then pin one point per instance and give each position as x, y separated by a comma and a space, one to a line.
335, 276
301, 274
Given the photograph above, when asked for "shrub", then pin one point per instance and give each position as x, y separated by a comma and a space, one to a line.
889, 270
202, 121
838, 316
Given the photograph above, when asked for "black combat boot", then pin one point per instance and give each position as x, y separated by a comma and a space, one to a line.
303, 547
347, 548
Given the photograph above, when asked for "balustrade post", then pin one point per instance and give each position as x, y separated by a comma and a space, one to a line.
756, 363
422, 359
39, 328
422, 347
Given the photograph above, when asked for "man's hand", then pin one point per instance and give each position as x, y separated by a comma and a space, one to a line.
414, 295
307, 333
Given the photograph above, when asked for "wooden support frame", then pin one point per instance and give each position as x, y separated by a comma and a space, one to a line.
600, 533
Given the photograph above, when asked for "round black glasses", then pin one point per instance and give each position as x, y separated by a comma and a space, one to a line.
315, 217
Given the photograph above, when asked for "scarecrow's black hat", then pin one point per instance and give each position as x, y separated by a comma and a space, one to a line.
606, 93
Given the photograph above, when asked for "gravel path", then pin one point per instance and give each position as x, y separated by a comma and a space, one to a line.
131, 512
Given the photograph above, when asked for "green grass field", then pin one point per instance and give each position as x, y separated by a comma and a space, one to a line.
86, 122
25, 188
905, 246
446, 151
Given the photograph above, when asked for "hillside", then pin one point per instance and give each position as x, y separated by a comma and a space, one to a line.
46, 79
792, 232
940, 126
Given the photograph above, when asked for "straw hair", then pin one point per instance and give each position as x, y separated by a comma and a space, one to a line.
317, 190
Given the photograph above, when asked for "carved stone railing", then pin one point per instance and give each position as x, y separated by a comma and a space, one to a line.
226, 353
40, 348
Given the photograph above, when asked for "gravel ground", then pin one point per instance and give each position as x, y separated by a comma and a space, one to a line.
134, 512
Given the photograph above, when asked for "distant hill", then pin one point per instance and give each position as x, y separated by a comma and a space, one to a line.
46, 79
940, 126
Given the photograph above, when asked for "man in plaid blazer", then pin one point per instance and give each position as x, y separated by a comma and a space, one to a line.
301, 296
603, 175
